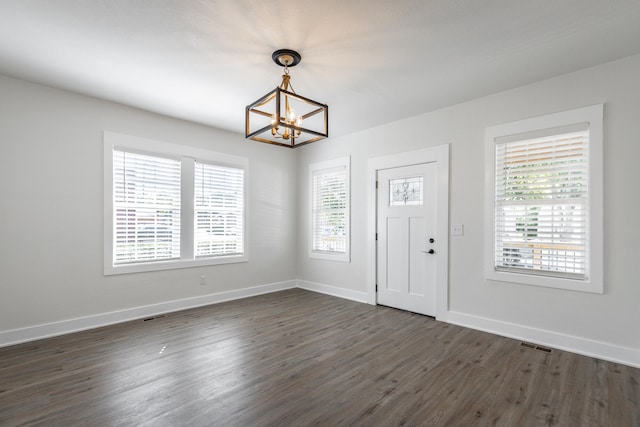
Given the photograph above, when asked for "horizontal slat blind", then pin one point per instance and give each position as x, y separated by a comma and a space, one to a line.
329, 206
146, 194
219, 207
541, 200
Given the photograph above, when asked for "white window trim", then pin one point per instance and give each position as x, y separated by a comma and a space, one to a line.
592, 115
115, 140
318, 166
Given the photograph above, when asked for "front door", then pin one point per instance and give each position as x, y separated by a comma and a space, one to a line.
406, 238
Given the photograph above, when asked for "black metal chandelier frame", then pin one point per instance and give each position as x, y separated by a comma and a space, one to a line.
295, 134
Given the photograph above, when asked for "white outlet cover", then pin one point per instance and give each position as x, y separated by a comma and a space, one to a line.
457, 230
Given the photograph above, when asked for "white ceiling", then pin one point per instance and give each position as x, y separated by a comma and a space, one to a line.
371, 61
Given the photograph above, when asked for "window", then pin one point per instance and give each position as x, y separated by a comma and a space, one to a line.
146, 204
545, 199
219, 210
405, 191
169, 206
329, 208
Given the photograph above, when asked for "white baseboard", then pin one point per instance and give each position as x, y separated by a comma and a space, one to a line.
33, 333
598, 349
587, 347
334, 291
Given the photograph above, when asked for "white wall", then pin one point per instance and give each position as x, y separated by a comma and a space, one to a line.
51, 225
51, 245
589, 323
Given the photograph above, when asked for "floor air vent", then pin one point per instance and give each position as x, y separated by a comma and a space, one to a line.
535, 347
152, 318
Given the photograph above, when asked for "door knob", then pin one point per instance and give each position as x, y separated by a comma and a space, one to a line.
430, 251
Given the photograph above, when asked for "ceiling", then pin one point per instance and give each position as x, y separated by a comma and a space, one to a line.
371, 61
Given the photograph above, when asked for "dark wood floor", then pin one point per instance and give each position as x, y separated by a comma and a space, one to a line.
301, 358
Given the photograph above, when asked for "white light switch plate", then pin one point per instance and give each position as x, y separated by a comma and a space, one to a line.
457, 229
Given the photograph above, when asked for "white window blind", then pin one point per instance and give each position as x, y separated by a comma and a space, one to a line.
541, 204
146, 204
219, 210
329, 210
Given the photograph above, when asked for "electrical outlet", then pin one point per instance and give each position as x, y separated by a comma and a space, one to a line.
457, 229
203, 280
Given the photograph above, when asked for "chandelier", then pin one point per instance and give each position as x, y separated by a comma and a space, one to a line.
282, 117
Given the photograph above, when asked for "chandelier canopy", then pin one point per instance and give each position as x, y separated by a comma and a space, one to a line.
282, 117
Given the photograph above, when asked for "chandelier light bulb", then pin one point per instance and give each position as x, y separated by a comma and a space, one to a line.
291, 115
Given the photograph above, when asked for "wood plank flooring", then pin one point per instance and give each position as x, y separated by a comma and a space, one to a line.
301, 358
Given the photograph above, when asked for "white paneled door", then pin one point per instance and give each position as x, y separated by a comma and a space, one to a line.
407, 244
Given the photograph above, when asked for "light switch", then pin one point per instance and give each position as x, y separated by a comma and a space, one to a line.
457, 229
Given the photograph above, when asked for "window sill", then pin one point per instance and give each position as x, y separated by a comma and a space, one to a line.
328, 256
171, 265
589, 285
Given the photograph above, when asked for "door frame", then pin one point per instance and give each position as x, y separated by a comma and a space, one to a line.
440, 155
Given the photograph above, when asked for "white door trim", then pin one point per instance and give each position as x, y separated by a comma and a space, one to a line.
439, 154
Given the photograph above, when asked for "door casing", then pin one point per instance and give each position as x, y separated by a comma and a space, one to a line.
440, 155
